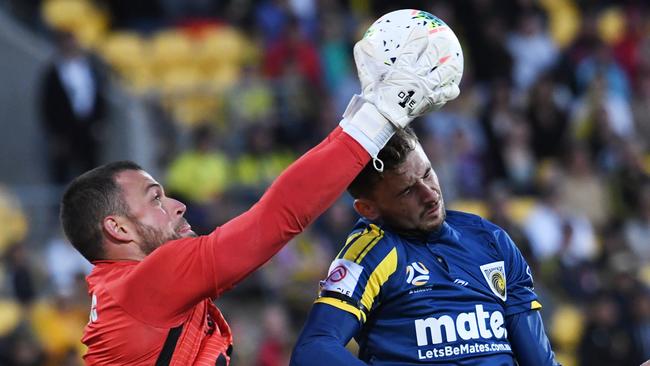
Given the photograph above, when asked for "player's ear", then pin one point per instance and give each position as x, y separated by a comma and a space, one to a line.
366, 208
117, 228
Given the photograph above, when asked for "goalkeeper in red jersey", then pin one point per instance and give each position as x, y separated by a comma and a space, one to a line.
154, 280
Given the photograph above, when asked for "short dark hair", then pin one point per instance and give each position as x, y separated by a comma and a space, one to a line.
392, 155
87, 201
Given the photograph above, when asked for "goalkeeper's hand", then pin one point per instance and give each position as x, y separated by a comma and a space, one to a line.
412, 86
393, 95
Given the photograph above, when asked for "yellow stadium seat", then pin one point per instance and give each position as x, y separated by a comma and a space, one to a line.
58, 328
566, 358
222, 78
611, 24
180, 80
124, 50
80, 17
128, 53
140, 80
65, 14
219, 46
14, 223
195, 109
92, 31
564, 20
519, 208
567, 325
10, 315
171, 48
644, 274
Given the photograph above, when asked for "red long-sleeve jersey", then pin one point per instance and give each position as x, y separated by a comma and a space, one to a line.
136, 303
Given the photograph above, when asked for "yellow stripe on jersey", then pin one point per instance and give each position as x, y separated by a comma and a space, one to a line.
350, 239
360, 247
378, 277
535, 305
339, 304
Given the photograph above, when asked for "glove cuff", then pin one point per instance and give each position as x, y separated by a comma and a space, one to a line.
364, 123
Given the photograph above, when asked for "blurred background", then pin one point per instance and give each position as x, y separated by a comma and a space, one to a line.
549, 139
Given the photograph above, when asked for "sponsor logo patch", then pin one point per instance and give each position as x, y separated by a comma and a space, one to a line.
342, 277
417, 274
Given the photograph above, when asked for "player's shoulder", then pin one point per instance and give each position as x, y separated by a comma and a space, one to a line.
487, 232
465, 220
368, 242
477, 229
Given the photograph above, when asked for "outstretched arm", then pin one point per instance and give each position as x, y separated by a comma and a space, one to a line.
189, 270
323, 339
306, 189
528, 339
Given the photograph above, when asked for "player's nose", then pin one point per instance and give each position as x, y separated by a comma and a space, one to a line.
429, 194
178, 207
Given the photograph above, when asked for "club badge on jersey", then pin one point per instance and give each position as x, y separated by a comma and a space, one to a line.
495, 275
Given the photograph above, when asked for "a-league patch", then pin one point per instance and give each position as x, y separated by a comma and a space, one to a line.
495, 275
342, 277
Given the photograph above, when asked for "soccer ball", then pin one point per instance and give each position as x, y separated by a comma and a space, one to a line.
413, 37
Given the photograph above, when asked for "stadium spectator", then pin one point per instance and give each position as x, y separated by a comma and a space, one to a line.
274, 349
21, 275
637, 227
73, 108
532, 50
582, 191
549, 131
605, 341
411, 262
641, 326
64, 264
641, 108
551, 230
199, 176
601, 61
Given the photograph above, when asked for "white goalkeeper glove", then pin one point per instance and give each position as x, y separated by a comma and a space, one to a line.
393, 95
415, 84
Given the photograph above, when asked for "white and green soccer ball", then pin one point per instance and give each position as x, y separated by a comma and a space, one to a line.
410, 37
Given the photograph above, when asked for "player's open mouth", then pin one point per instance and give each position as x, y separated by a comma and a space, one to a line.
185, 228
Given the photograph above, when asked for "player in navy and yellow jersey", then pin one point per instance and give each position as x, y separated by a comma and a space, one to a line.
416, 284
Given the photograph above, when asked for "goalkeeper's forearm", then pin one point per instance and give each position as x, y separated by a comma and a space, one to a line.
301, 193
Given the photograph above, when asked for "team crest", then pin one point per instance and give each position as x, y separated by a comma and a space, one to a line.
495, 275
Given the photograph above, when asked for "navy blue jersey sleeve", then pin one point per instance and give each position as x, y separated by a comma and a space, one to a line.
529, 341
358, 274
520, 294
323, 339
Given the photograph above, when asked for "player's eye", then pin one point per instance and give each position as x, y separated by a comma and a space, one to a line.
157, 197
427, 174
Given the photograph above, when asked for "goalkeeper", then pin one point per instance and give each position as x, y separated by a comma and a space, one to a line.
154, 280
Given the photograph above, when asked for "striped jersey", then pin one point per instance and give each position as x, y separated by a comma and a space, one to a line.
441, 299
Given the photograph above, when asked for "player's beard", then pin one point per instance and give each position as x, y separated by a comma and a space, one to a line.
153, 238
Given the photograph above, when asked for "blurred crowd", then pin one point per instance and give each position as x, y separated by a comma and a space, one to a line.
550, 139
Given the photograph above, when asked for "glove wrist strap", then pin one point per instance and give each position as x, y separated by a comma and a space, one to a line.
364, 123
